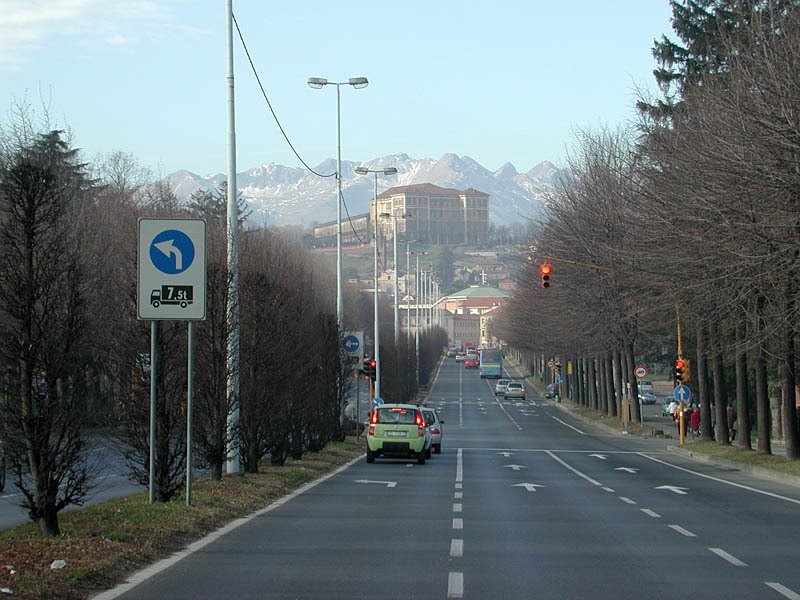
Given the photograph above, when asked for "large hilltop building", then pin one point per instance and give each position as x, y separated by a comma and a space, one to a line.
425, 212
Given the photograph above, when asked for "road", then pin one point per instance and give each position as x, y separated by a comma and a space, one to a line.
524, 502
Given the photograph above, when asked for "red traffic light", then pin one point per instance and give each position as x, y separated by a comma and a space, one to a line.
545, 269
679, 364
373, 363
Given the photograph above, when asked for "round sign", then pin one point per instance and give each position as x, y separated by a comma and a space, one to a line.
172, 252
640, 371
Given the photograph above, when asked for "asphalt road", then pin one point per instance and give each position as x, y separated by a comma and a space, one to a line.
524, 502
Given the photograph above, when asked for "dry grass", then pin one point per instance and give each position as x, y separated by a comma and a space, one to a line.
104, 543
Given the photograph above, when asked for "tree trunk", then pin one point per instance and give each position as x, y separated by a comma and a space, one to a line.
591, 382
48, 521
619, 390
762, 397
579, 387
609, 369
706, 431
742, 403
636, 415
790, 435
720, 402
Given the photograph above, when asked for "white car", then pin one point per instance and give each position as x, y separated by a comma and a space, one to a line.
514, 389
435, 426
500, 386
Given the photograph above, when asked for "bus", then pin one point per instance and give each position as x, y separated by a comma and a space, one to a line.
491, 365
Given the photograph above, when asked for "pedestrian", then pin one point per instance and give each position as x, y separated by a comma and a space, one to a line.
695, 418
731, 413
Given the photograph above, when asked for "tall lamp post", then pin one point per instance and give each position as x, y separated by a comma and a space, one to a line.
418, 288
358, 83
396, 270
376, 323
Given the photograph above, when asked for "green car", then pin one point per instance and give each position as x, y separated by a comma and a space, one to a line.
398, 430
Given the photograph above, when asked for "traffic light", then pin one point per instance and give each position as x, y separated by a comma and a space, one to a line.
545, 270
369, 367
680, 370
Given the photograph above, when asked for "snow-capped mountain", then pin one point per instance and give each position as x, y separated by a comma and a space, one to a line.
280, 195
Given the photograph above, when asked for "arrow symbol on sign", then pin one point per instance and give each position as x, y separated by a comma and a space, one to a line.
167, 248
351, 344
673, 488
386, 483
600, 456
626, 469
506, 454
515, 467
531, 487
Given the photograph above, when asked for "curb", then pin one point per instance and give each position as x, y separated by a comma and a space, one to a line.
753, 470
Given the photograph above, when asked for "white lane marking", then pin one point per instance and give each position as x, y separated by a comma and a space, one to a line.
608, 489
457, 507
455, 585
153, 570
516, 467
456, 548
729, 557
568, 425
651, 513
673, 488
783, 590
718, 480
627, 500
458, 495
573, 469
459, 466
459, 486
600, 456
503, 408
458, 523
630, 470
682, 531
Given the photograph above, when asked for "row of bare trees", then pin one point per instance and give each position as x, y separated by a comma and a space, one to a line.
693, 219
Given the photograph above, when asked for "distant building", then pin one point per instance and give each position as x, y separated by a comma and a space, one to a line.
356, 231
435, 215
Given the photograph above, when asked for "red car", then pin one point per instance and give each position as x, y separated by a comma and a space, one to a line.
471, 363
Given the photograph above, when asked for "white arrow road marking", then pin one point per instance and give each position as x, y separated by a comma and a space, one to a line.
626, 469
167, 247
386, 483
515, 467
673, 488
600, 456
531, 487
506, 454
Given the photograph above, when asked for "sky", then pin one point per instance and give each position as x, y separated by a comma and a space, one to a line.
502, 81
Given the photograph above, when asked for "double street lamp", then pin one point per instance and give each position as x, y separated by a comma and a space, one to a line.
358, 83
376, 322
396, 270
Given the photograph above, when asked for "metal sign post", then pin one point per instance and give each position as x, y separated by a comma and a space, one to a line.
171, 286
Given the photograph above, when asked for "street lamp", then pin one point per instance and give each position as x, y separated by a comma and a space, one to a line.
376, 323
396, 270
416, 312
358, 83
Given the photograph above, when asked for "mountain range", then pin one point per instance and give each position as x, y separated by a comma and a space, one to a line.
280, 195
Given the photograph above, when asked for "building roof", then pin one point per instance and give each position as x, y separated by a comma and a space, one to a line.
429, 189
480, 291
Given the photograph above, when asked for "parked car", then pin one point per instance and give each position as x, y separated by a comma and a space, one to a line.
451, 352
471, 363
647, 398
461, 357
398, 430
645, 385
500, 386
514, 389
550, 390
435, 425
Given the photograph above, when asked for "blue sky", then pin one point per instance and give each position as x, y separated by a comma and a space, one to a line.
504, 81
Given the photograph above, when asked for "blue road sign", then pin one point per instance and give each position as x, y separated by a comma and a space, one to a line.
377, 401
172, 252
350, 344
682, 393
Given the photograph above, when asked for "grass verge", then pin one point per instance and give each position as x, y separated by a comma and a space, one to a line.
104, 543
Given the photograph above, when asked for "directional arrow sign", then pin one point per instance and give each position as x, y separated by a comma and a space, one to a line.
515, 467
531, 487
626, 469
386, 483
506, 454
673, 488
600, 456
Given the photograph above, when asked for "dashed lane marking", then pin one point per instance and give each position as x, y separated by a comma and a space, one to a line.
455, 585
729, 557
458, 523
651, 513
783, 590
456, 548
682, 531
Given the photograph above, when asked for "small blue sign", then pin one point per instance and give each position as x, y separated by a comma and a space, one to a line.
377, 401
350, 344
172, 252
682, 393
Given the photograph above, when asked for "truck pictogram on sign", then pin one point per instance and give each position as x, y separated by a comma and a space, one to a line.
182, 295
